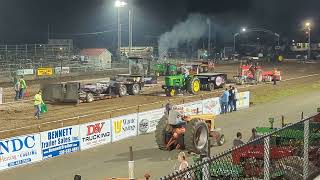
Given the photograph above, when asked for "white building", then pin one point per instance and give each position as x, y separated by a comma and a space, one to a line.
97, 57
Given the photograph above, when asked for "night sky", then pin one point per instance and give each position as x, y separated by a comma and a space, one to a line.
26, 21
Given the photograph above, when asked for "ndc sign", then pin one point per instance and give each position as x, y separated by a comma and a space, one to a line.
16, 144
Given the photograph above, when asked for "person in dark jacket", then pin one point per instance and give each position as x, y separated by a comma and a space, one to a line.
237, 141
231, 99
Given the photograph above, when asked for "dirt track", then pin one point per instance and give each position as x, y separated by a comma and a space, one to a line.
21, 114
111, 160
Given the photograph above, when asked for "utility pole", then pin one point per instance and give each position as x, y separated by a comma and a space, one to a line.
209, 36
309, 39
48, 32
119, 33
130, 29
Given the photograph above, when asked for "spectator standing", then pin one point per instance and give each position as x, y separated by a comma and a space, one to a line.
183, 162
254, 134
17, 90
231, 99
236, 97
23, 87
237, 141
224, 101
37, 104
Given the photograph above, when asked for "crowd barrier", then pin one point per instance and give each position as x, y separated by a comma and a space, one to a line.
35, 147
289, 152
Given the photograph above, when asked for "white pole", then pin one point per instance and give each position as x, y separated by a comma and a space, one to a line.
306, 150
119, 32
309, 50
130, 30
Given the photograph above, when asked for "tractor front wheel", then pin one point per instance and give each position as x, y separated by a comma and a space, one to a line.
121, 90
258, 76
193, 86
196, 136
134, 89
89, 97
170, 92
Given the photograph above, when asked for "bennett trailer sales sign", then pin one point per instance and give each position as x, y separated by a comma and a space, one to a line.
60, 141
124, 127
19, 151
95, 133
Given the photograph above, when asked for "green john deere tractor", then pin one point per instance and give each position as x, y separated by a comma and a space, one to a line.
162, 69
177, 84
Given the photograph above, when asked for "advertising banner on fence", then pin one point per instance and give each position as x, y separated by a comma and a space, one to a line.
193, 108
243, 100
148, 120
65, 70
45, 71
19, 151
211, 106
124, 127
95, 133
60, 141
21, 72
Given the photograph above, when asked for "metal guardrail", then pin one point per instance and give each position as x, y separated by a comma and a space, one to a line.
290, 152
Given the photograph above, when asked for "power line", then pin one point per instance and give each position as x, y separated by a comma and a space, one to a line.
88, 33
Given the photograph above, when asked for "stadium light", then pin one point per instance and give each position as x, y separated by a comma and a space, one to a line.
243, 30
308, 27
119, 4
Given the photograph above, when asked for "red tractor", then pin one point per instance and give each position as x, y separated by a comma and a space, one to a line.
250, 73
251, 159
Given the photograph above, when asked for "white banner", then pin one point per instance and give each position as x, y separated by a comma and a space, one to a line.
95, 133
149, 120
1, 96
21, 72
19, 151
65, 70
243, 100
211, 106
124, 127
193, 108
60, 141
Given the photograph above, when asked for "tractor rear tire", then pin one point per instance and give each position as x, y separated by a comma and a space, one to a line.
160, 133
196, 136
193, 86
134, 89
258, 76
121, 90
89, 97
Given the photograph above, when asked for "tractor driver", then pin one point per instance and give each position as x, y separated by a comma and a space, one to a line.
185, 71
177, 121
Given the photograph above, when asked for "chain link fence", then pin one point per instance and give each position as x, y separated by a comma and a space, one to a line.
291, 152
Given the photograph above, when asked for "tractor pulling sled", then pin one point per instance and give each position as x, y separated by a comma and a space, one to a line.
179, 83
254, 74
119, 86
